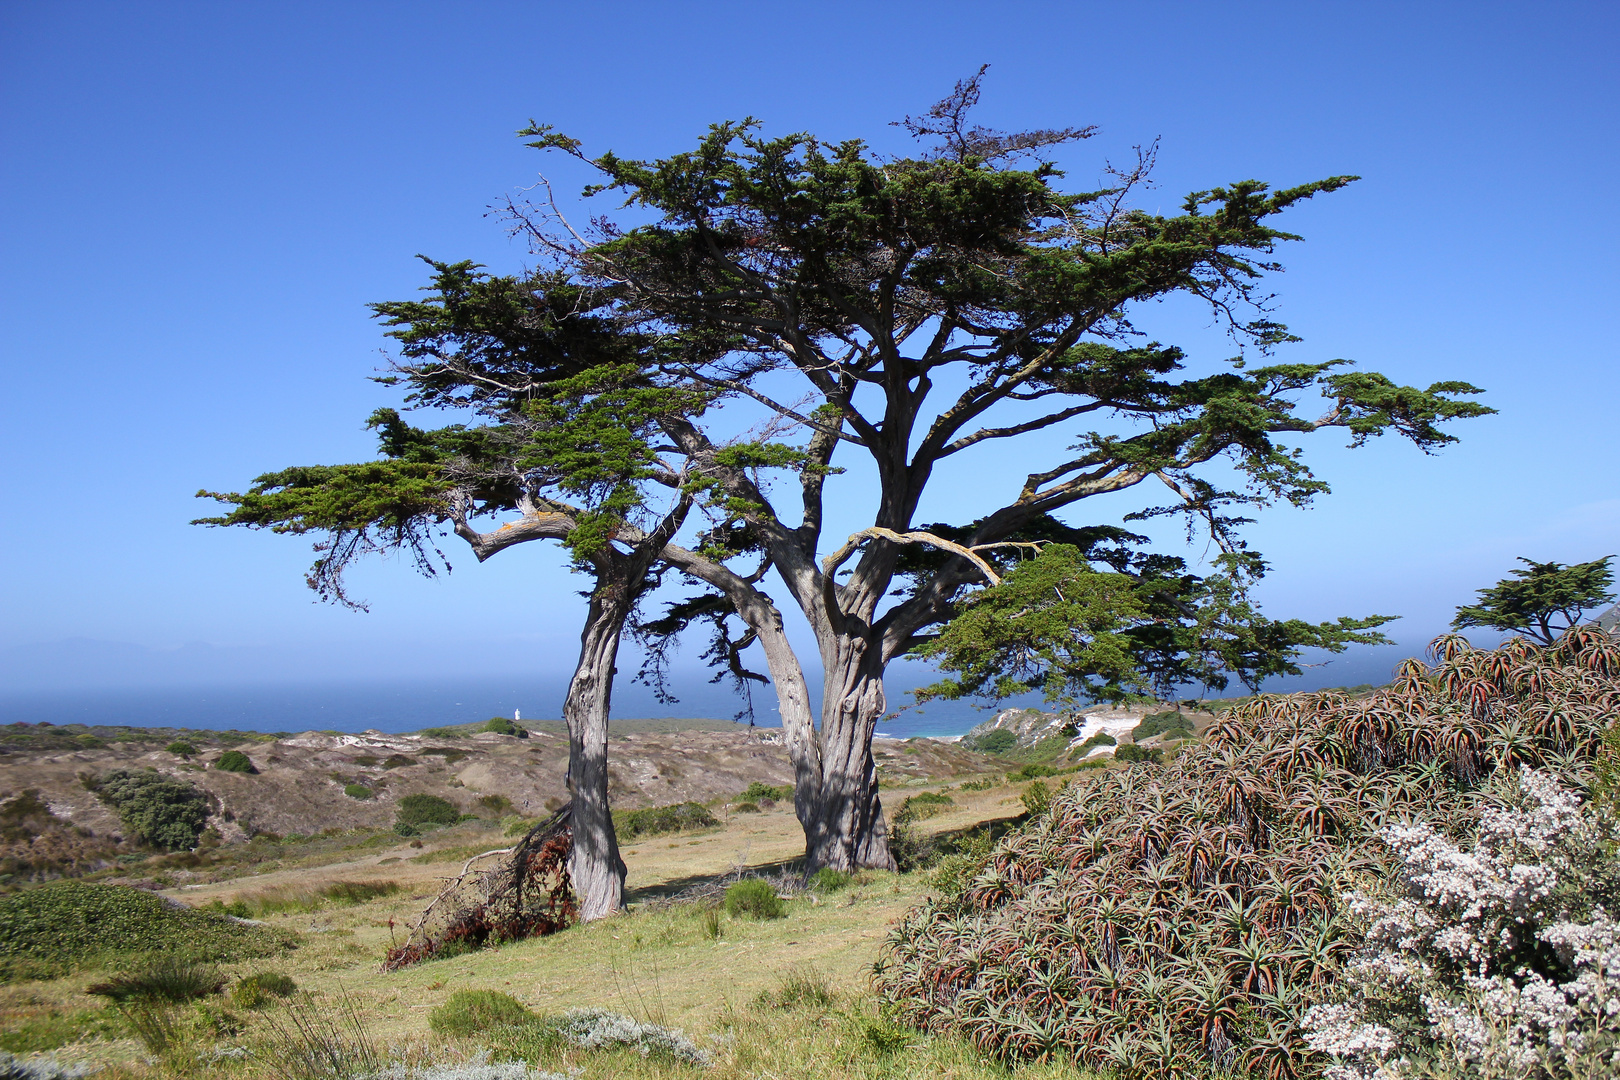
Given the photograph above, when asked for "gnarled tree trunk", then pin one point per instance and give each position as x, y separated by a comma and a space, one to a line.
848, 831
596, 866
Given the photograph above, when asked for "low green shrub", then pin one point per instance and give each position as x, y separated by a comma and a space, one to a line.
498, 805
252, 991
398, 761
978, 785
235, 761
1161, 722
1096, 739
632, 825
1037, 798
995, 741
182, 749
402, 828
1034, 772
756, 791
754, 898
156, 809
470, 1012
799, 988
500, 725
440, 733
1133, 753
828, 880
358, 791
68, 924
745, 808
422, 809
925, 804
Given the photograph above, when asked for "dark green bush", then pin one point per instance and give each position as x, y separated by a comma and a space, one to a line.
1133, 753
470, 1012
754, 898
235, 761
450, 754
182, 748
1096, 739
500, 725
745, 808
1037, 798
156, 809
995, 741
59, 927
1160, 722
403, 829
1033, 772
440, 733
397, 761
421, 809
655, 820
756, 791
357, 791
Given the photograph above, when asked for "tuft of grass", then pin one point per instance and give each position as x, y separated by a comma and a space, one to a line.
745, 808
754, 898
166, 979
316, 1039
631, 825
471, 1012
357, 791
925, 804
828, 880
798, 988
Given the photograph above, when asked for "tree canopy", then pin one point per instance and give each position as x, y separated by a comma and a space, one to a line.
1542, 601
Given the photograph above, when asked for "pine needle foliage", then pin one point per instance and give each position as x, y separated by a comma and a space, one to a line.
1169, 919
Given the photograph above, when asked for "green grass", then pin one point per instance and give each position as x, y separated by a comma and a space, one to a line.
59, 927
633, 825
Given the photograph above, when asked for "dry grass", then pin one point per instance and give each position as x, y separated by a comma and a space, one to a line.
660, 962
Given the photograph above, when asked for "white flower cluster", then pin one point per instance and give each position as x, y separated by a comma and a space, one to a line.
1450, 955
593, 1029
477, 1067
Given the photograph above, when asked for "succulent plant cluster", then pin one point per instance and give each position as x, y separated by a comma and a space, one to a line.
1166, 919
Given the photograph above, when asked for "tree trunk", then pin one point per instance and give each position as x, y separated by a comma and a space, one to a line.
848, 831
596, 866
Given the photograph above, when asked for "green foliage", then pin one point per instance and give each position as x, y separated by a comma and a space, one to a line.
755, 899
402, 828
1159, 723
450, 754
757, 790
65, 925
978, 785
1037, 798
1531, 600
421, 809
1132, 753
498, 805
799, 988
995, 741
745, 808
440, 733
357, 791
235, 761
828, 880
632, 825
397, 761
1255, 832
54, 1029
1096, 739
182, 748
500, 725
260, 988
472, 1012
925, 804
156, 809
359, 892
1034, 771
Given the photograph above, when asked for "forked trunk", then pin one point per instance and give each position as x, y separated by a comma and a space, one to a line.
848, 831
596, 866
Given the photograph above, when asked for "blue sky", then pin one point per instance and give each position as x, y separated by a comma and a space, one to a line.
197, 202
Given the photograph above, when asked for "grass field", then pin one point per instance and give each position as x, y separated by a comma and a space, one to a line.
766, 998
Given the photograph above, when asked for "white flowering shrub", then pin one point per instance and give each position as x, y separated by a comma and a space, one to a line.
596, 1029
15, 1068
1495, 960
478, 1067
